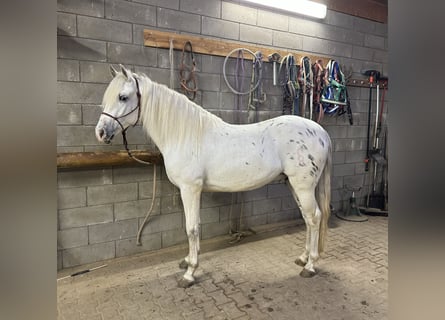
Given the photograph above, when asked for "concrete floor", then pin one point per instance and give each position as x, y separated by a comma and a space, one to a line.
253, 279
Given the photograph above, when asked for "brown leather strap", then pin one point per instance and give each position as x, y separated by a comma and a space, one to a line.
187, 77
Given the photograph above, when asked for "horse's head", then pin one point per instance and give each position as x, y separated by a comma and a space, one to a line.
121, 105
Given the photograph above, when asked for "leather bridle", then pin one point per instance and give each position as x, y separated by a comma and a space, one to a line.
124, 130
187, 73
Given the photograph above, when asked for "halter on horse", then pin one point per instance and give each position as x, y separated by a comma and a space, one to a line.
203, 153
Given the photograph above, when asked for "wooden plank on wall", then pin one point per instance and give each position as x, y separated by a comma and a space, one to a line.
77, 160
368, 9
217, 47
161, 39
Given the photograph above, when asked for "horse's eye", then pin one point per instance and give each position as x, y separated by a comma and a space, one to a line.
123, 98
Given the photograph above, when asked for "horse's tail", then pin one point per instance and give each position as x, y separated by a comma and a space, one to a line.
323, 195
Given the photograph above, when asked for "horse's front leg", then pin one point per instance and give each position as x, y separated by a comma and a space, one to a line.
190, 199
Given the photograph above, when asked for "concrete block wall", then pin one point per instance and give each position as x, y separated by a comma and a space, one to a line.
100, 210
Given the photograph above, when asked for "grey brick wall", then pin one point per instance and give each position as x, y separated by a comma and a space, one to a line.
100, 210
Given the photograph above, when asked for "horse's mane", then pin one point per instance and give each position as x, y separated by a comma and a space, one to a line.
176, 121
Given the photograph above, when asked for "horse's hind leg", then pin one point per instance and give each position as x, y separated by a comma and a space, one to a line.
305, 198
302, 259
190, 199
184, 264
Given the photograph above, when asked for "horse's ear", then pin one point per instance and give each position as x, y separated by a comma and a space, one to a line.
113, 71
124, 71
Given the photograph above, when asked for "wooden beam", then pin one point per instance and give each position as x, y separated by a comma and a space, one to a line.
365, 83
161, 39
216, 47
368, 9
75, 160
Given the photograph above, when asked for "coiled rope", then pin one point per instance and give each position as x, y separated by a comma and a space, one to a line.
252, 88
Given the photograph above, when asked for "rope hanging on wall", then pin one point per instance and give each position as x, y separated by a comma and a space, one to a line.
239, 75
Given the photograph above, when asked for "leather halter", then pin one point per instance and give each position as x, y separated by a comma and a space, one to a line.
124, 136
138, 107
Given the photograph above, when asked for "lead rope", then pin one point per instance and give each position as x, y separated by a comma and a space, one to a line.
239, 83
124, 138
138, 241
236, 235
138, 238
256, 96
230, 215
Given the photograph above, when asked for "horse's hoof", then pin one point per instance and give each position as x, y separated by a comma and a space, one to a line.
183, 264
184, 283
305, 273
300, 262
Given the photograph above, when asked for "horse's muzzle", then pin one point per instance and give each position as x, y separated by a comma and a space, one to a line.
107, 140
103, 136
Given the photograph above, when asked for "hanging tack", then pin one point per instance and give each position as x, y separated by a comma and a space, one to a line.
170, 57
274, 58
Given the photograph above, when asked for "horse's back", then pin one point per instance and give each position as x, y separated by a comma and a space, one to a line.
245, 157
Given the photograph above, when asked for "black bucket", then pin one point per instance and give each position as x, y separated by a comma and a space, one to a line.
376, 201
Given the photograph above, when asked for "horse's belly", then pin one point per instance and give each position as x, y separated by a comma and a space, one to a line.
234, 176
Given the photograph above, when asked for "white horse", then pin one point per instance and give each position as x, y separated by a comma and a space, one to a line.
201, 152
